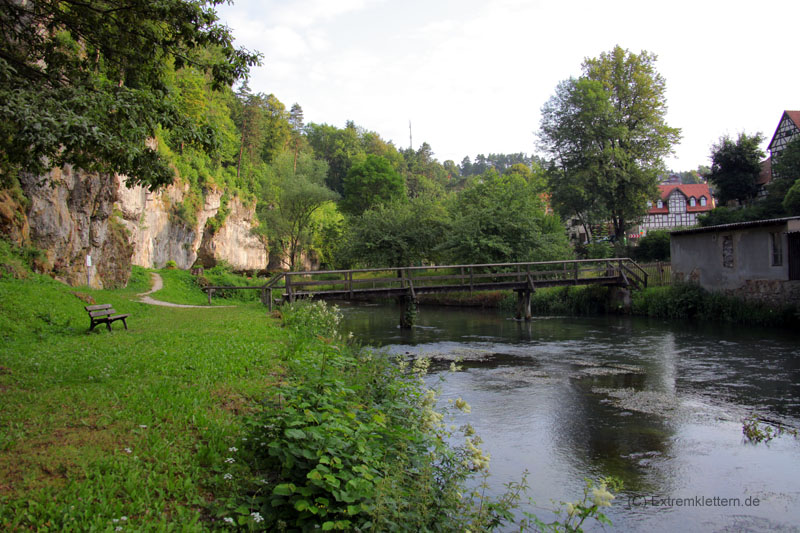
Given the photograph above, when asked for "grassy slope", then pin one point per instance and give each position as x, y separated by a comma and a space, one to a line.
136, 424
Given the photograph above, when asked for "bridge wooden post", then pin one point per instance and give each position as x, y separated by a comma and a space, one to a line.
524, 304
408, 311
289, 294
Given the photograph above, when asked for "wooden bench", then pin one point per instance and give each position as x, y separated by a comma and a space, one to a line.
104, 314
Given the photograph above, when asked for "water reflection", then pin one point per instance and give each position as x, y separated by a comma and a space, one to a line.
657, 404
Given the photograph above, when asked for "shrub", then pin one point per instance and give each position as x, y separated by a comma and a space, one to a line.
353, 442
653, 247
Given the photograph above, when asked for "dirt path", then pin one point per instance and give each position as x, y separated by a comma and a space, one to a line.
158, 283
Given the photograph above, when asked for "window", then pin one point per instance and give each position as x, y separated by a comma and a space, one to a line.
649, 204
692, 201
777, 249
660, 204
703, 200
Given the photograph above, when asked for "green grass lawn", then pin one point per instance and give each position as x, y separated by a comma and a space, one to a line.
126, 429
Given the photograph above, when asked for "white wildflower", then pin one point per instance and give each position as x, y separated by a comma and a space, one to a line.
601, 496
128, 450
228, 476
463, 406
233, 449
257, 517
230, 460
228, 519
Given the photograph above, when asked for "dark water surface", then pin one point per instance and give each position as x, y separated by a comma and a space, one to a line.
658, 404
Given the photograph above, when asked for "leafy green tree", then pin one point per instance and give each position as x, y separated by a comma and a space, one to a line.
289, 201
340, 148
502, 219
396, 234
735, 166
606, 132
784, 188
85, 83
371, 183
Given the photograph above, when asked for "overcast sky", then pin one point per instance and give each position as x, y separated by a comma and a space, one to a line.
472, 75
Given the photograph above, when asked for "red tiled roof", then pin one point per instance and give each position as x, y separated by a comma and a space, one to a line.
695, 189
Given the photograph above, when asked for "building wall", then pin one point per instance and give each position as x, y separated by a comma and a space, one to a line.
737, 261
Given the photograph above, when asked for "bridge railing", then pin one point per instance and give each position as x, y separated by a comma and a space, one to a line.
347, 283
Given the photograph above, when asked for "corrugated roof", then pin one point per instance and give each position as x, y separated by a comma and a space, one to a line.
737, 225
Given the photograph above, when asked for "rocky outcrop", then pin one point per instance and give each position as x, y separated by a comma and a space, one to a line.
71, 218
234, 242
13, 222
159, 234
92, 227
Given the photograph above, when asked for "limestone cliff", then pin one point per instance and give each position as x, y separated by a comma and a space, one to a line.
93, 227
70, 215
160, 235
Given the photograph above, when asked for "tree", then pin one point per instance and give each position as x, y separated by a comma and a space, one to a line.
84, 83
338, 147
502, 219
785, 185
735, 167
371, 183
290, 200
607, 134
396, 234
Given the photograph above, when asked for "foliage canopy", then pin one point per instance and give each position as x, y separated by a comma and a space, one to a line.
84, 83
607, 134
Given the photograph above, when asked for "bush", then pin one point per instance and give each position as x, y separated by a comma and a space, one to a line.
588, 300
690, 301
653, 247
353, 442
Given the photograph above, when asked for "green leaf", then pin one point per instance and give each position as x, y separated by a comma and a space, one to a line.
284, 489
295, 434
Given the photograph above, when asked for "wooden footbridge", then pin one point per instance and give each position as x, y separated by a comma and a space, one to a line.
406, 283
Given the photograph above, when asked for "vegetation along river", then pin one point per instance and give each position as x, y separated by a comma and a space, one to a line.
658, 404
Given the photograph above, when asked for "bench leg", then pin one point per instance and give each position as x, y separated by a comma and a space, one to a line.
124, 323
108, 325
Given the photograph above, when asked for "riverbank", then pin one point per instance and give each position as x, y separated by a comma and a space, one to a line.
679, 301
204, 419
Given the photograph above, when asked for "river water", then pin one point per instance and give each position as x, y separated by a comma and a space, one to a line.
658, 404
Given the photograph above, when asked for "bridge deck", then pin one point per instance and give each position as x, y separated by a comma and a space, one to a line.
410, 281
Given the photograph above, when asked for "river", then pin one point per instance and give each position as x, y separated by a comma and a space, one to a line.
655, 403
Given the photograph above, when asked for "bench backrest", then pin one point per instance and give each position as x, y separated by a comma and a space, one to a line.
97, 307
100, 310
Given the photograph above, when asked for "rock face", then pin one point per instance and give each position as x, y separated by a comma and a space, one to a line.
71, 217
93, 227
234, 242
159, 235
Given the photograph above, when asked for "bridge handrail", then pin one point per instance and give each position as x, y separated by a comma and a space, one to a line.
438, 267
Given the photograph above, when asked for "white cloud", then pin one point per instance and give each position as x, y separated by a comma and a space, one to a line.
472, 75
